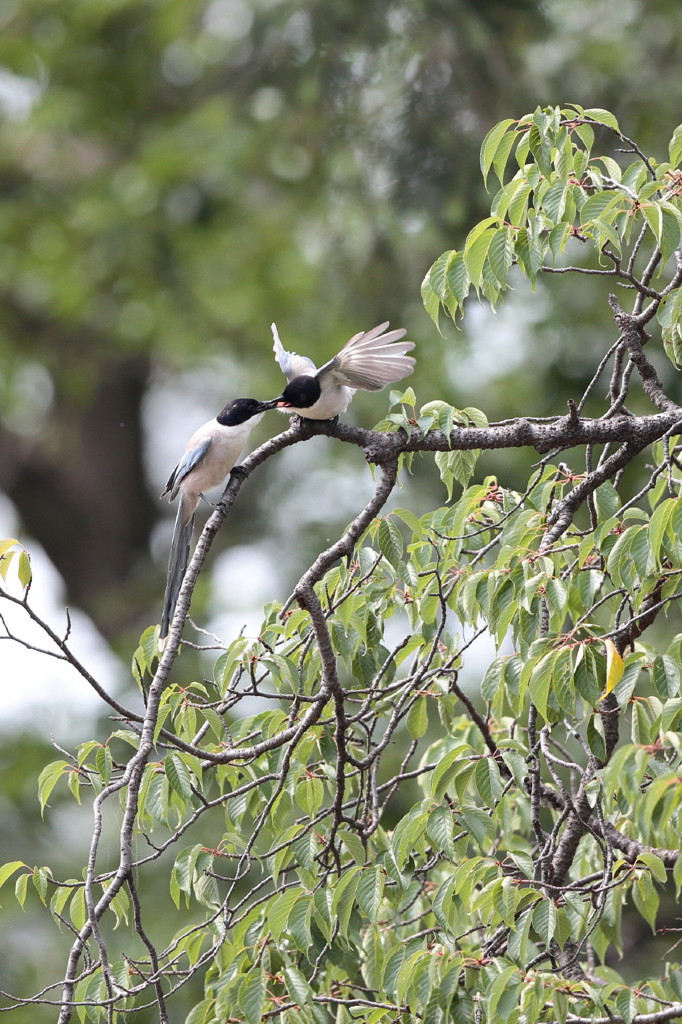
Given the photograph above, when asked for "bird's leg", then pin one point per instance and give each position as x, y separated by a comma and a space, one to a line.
209, 503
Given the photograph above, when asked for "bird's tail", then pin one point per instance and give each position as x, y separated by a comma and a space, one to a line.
177, 564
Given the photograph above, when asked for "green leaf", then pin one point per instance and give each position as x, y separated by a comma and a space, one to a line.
603, 116
417, 718
6, 556
430, 299
503, 989
655, 865
252, 996
370, 891
343, 897
457, 278
488, 781
298, 923
554, 200
476, 250
540, 682
297, 986
666, 676
24, 569
21, 885
48, 779
646, 899
544, 920
279, 909
501, 254
492, 143
440, 828
8, 869
353, 844
675, 146
479, 825
178, 775
447, 769
412, 521
658, 525
390, 542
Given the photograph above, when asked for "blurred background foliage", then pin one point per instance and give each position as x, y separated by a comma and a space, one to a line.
176, 174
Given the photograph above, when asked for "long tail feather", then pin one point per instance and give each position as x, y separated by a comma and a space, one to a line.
177, 564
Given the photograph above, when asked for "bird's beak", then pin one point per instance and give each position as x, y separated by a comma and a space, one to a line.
270, 404
278, 403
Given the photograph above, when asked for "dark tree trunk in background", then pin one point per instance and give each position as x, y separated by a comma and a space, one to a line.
80, 491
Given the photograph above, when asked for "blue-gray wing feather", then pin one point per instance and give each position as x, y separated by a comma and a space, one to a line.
186, 464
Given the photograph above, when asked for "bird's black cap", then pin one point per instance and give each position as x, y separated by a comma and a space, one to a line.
242, 409
300, 393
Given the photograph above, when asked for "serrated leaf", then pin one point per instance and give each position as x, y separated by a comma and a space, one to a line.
544, 920
343, 897
554, 200
457, 278
298, 923
252, 996
297, 986
501, 255
540, 682
412, 521
178, 775
447, 768
440, 828
279, 908
430, 300
488, 781
603, 116
476, 252
666, 676
390, 542
491, 144
370, 891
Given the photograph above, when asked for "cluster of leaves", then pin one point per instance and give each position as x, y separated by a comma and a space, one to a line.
311, 879
352, 835
562, 191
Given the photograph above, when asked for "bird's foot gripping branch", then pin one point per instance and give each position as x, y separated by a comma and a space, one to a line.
441, 782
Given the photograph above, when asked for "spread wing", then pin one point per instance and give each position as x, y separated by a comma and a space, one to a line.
186, 464
290, 363
371, 359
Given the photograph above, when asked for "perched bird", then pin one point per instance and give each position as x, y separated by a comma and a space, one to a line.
369, 361
211, 452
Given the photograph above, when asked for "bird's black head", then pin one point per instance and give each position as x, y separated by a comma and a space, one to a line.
241, 410
300, 393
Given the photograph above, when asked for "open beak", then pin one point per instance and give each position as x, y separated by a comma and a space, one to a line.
279, 403
270, 404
